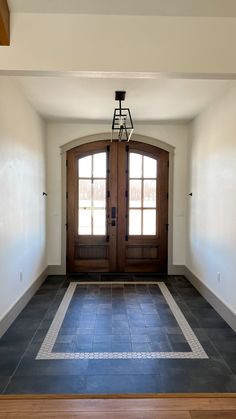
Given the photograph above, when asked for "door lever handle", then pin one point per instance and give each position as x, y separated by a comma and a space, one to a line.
113, 212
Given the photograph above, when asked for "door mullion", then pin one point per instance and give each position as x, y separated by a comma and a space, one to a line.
112, 202
122, 209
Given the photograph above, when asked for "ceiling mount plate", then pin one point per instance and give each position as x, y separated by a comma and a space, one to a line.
120, 95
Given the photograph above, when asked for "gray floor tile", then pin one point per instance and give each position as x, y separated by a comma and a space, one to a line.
4, 382
104, 319
121, 346
32, 367
140, 338
44, 384
109, 384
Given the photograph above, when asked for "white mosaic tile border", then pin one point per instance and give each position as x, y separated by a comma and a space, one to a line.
46, 349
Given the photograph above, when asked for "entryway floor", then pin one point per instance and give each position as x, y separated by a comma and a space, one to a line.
101, 335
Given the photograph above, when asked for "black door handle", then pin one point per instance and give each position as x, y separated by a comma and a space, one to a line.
113, 212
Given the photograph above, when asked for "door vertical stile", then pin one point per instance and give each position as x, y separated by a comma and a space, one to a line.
112, 202
71, 196
163, 209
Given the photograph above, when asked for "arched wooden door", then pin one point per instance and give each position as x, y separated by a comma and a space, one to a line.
117, 208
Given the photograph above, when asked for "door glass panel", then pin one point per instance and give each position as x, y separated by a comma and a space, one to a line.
135, 222
99, 193
85, 193
85, 221
149, 222
135, 193
142, 194
149, 193
85, 166
135, 165
149, 167
99, 165
99, 222
92, 195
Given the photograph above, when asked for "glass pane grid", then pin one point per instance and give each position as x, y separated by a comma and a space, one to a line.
142, 208
92, 195
142, 195
92, 178
93, 166
140, 178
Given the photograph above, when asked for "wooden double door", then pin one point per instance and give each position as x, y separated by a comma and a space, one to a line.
117, 208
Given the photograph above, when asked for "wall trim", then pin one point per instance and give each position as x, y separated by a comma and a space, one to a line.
56, 270
15, 310
176, 270
106, 136
225, 312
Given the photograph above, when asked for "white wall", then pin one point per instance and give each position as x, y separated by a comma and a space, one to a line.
72, 43
211, 240
61, 133
22, 206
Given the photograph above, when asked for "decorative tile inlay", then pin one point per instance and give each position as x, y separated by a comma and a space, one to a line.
46, 350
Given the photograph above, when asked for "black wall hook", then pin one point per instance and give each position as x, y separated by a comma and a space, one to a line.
44, 193
191, 194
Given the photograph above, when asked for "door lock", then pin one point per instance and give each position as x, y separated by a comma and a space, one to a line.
113, 212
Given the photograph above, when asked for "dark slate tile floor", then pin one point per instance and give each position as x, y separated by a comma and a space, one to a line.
21, 373
119, 318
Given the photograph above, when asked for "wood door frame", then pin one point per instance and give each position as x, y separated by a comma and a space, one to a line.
61, 269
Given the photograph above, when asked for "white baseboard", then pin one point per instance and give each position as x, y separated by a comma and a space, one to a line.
56, 270
14, 311
226, 313
176, 270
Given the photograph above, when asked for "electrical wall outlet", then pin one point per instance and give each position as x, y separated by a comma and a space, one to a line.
21, 276
218, 276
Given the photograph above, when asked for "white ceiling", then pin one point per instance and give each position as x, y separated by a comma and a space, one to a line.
223, 8
72, 98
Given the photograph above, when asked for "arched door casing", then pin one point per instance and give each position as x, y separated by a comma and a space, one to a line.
117, 208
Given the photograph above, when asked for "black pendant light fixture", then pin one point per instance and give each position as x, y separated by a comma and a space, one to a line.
122, 124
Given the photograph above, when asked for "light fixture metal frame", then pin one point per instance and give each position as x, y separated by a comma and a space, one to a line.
122, 124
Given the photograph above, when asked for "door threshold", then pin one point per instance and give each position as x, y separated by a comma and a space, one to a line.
116, 276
